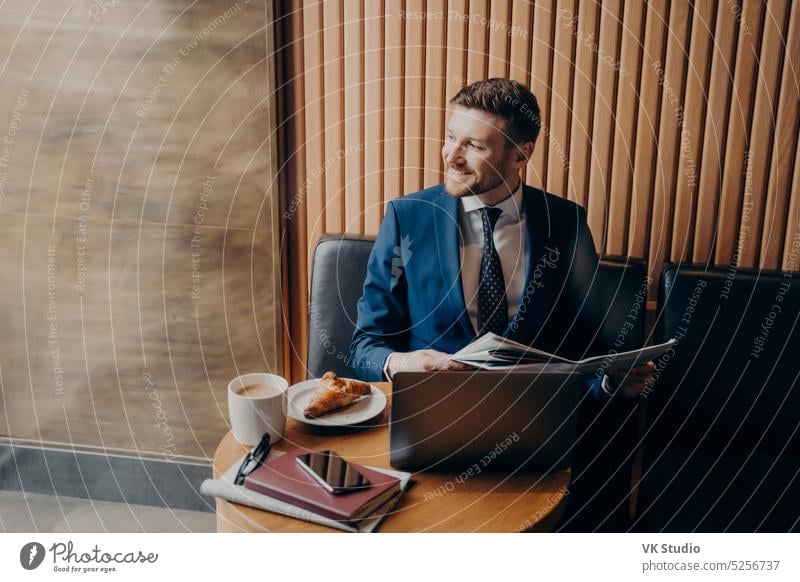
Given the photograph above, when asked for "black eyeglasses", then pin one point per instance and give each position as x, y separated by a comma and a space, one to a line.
253, 459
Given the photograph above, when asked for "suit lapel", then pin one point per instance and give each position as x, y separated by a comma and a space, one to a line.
530, 314
448, 249
537, 223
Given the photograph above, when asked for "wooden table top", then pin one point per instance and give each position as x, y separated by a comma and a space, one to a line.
435, 502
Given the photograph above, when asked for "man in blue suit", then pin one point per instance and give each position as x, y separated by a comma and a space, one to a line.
482, 252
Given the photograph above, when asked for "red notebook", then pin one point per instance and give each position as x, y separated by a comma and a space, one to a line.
282, 478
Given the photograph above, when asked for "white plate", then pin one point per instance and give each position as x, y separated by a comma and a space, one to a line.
365, 408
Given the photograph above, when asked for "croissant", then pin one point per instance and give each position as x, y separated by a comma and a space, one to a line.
334, 393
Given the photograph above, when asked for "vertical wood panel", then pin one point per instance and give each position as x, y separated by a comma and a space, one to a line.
456, 49
644, 169
499, 38
603, 120
671, 75
580, 140
333, 67
521, 35
560, 100
293, 180
541, 69
314, 122
736, 149
413, 103
763, 128
692, 125
353, 116
784, 146
478, 40
521, 38
624, 153
793, 222
393, 95
435, 98
717, 113
373, 116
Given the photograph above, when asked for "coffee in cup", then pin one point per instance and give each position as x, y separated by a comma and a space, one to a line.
257, 404
258, 391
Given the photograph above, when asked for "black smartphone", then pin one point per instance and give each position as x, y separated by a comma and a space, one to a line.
333, 472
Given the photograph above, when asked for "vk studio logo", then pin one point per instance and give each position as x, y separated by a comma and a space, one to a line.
31, 555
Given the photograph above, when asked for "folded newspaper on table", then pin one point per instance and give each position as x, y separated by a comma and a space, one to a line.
493, 352
225, 488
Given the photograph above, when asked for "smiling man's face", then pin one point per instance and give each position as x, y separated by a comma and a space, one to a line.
477, 156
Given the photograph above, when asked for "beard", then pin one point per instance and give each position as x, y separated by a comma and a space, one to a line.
457, 188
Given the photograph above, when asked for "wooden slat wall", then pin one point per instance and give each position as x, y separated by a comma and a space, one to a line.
674, 123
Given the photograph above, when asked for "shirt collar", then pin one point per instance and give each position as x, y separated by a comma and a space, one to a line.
512, 206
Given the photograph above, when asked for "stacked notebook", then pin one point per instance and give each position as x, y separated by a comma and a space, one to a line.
284, 479
281, 486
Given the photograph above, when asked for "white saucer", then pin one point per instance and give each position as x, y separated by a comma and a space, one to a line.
367, 407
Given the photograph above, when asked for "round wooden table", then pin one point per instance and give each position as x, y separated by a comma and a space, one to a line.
435, 502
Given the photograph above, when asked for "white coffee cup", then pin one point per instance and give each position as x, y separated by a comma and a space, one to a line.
257, 404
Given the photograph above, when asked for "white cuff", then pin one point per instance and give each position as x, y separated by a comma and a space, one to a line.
386, 367
606, 385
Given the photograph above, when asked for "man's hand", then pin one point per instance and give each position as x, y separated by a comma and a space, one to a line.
422, 361
634, 380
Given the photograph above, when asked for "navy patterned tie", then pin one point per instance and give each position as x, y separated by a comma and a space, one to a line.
492, 302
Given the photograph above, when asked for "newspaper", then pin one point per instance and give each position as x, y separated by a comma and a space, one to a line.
494, 352
225, 488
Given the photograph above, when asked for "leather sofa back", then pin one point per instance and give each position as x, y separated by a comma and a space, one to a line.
722, 441
338, 271
623, 282
732, 379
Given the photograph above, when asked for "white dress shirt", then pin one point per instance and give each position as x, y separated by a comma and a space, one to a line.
510, 240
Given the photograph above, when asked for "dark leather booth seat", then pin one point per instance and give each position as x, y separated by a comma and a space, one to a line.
722, 448
339, 268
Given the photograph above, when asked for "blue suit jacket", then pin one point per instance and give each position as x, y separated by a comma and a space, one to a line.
413, 297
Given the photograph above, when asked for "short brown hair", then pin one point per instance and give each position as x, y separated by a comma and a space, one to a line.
508, 99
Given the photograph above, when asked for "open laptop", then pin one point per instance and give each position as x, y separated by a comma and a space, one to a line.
484, 420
